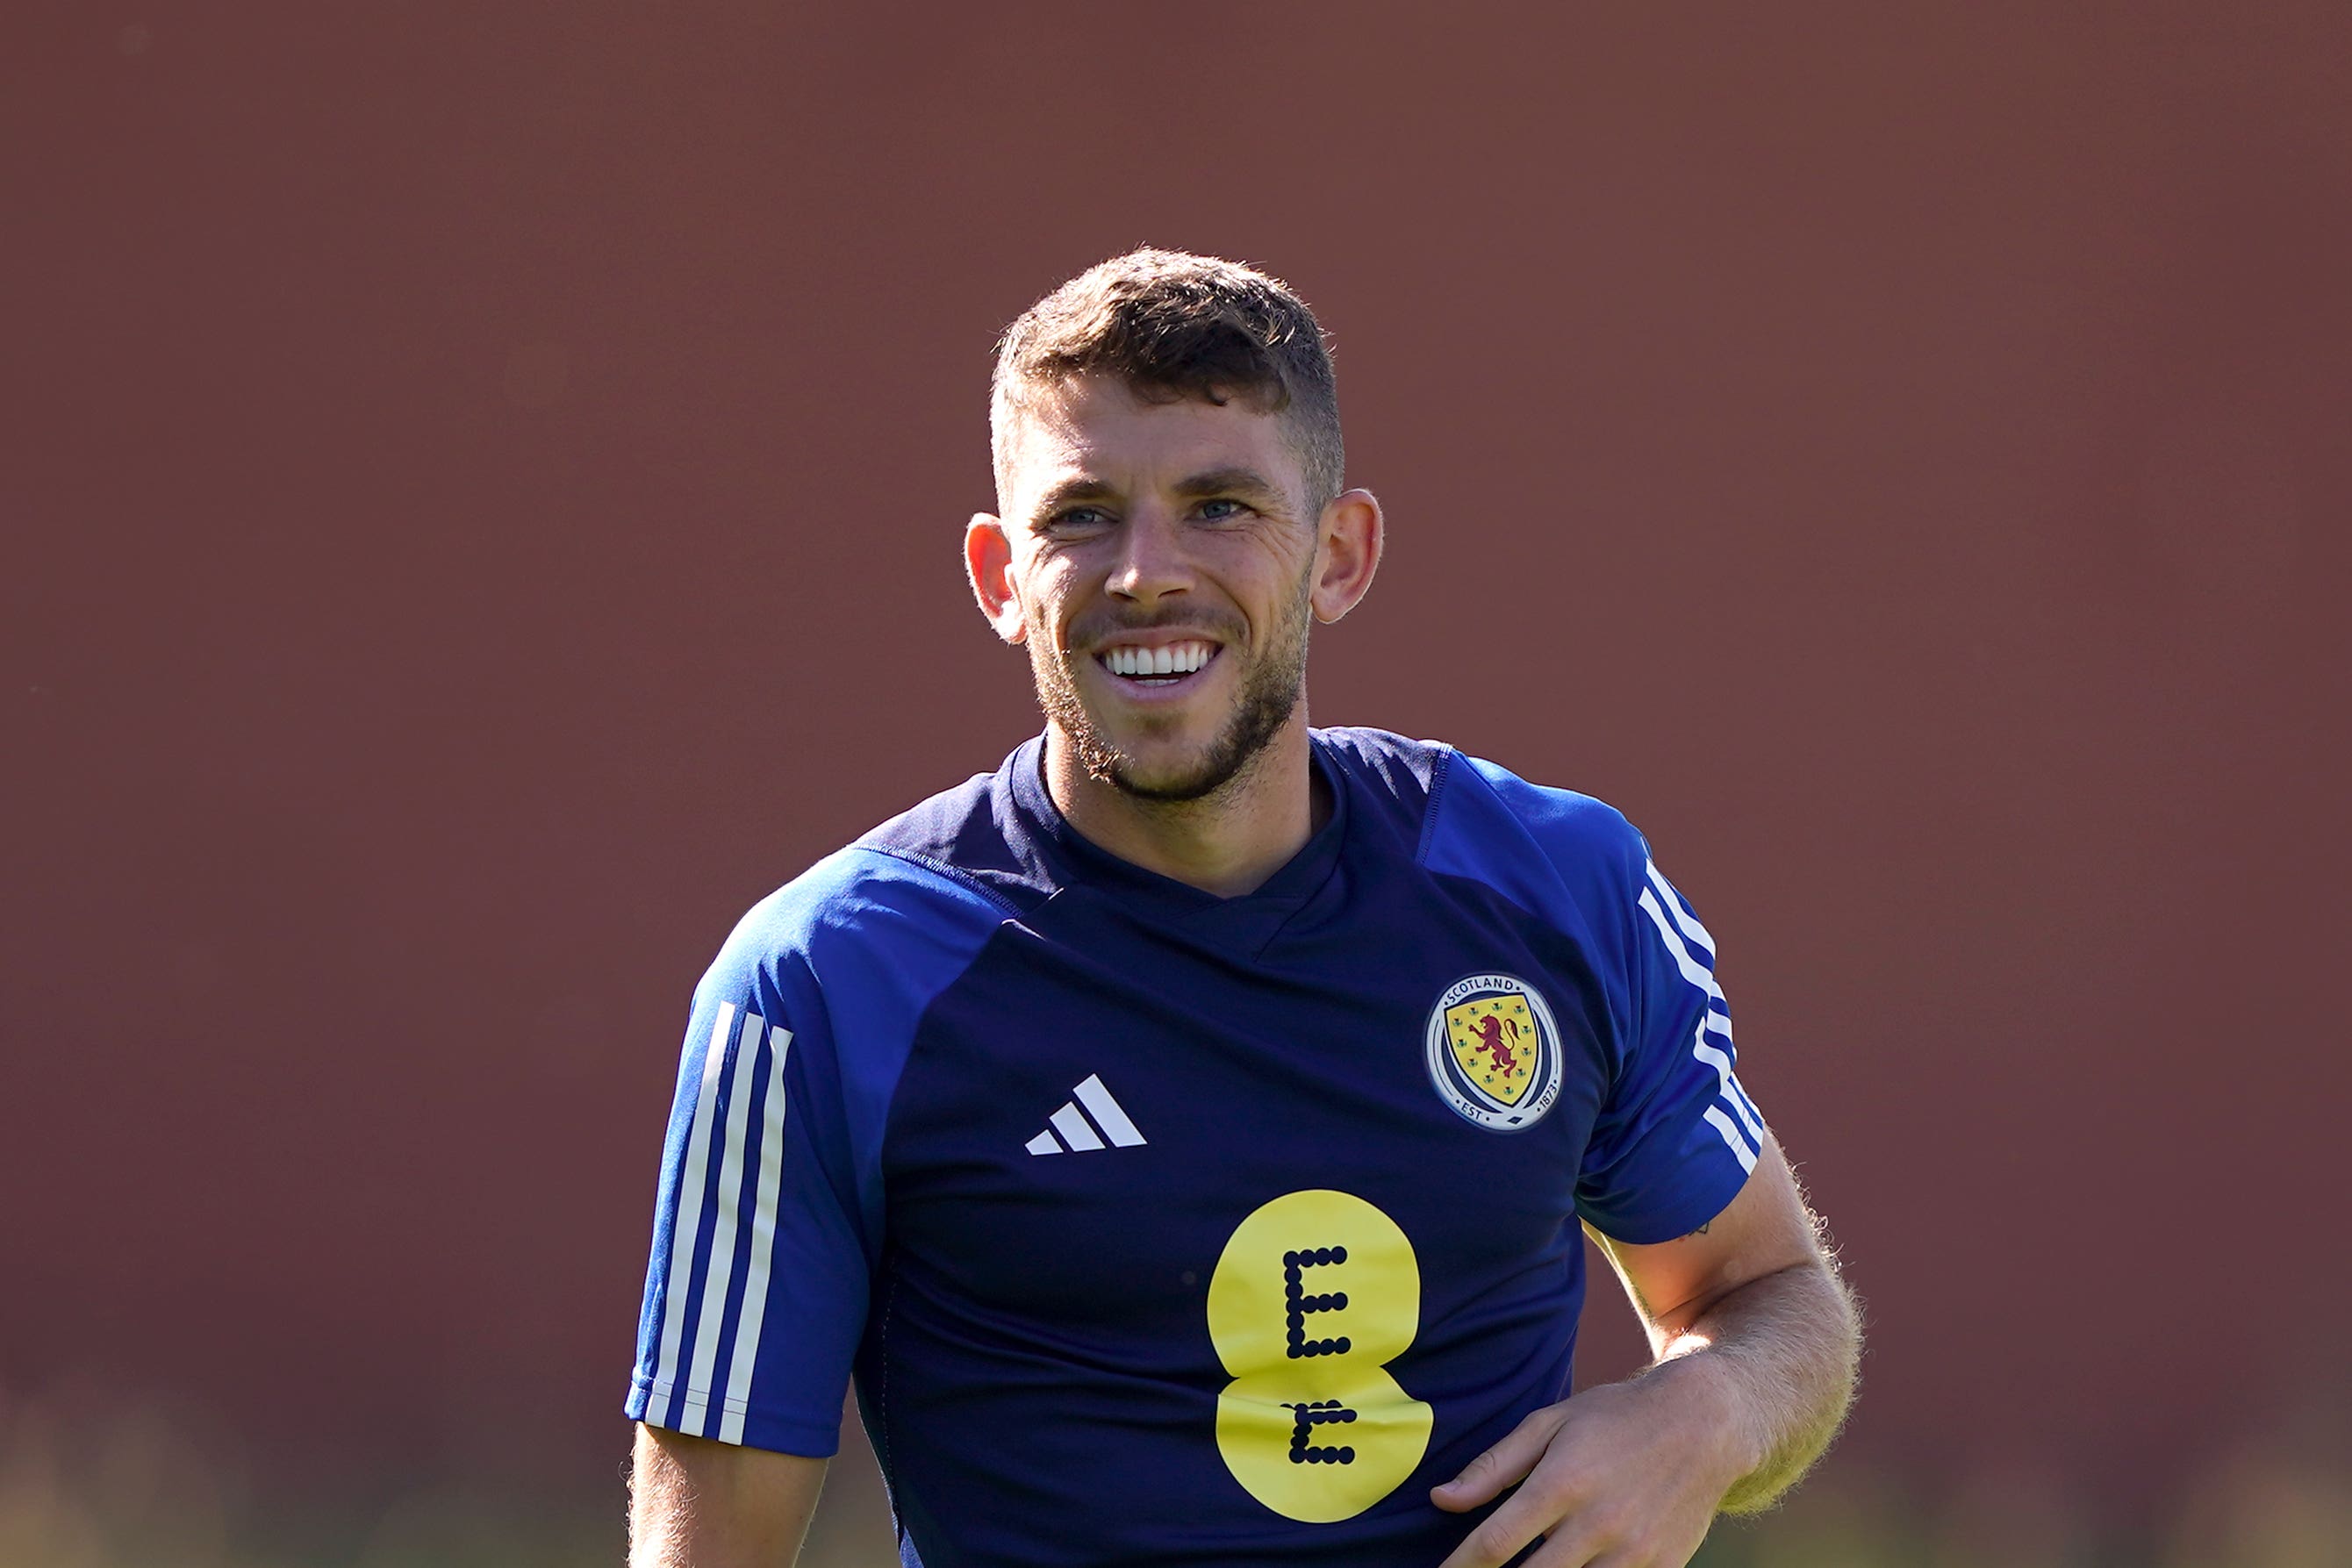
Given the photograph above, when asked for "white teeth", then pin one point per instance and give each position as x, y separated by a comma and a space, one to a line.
1175, 659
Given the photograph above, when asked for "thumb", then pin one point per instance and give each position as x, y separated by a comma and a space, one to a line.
1504, 1465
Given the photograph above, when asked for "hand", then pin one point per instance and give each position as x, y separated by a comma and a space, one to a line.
1626, 1475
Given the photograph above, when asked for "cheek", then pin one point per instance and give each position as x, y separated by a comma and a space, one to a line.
1046, 596
1270, 576
1278, 550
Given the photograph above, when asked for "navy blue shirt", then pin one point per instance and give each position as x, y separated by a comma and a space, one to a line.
1162, 1227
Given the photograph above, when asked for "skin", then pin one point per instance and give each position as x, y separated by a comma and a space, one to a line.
1132, 522
694, 1502
1756, 1344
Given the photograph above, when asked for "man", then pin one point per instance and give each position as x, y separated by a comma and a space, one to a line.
1178, 1131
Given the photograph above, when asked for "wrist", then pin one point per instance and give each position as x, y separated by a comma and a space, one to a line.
1708, 1395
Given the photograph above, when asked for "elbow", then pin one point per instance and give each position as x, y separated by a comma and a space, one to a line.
1818, 1395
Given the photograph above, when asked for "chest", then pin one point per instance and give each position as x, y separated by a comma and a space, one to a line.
1097, 1111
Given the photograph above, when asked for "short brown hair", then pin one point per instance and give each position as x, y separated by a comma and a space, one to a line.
1173, 324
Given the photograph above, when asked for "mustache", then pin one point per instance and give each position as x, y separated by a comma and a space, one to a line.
1096, 630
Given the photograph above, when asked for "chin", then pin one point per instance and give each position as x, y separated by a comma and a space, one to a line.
1177, 754
1172, 773
1188, 783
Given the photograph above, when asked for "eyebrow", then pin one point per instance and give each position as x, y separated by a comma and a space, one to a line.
1071, 491
1230, 482
1244, 482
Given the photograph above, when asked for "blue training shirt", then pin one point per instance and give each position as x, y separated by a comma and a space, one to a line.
1157, 1228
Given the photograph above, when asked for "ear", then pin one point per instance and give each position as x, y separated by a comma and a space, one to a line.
1348, 551
988, 563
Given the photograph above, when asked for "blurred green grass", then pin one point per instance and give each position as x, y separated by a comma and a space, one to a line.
139, 1488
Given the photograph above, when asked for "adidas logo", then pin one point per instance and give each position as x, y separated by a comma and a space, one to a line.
1076, 1132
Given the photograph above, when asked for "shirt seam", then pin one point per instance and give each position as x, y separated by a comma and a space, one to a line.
657, 1396
1437, 779
951, 874
882, 1380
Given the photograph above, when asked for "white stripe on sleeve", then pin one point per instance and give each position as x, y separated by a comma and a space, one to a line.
686, 1220
1696, 973
1717, 1017
1744, 1105
763, 1247
1722, 1123
1683, 917
729, 1202
1727, 1084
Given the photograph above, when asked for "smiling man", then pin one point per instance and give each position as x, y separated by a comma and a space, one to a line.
1181, 1133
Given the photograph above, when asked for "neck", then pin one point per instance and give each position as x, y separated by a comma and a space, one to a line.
1227, 843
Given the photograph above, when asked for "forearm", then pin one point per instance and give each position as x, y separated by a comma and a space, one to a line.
695, 1503
1781, 1352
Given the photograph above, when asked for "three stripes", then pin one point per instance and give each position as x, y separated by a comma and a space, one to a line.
1659, 901
691, 1410
1079, 1134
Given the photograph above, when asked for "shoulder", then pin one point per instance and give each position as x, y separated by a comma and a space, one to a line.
856, 905
919, 894
1555, 852
1478, 818
975, 834
1572, 827
1390, 764
1390, 780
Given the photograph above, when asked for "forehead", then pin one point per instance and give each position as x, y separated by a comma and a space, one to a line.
1097, 428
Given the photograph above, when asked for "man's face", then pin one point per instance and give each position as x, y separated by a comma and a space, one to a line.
1162, 571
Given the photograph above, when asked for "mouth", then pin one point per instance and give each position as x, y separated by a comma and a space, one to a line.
1158, 668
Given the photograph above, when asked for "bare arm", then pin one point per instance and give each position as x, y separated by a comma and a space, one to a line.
696, 1503
1756, 1344
1786, 1342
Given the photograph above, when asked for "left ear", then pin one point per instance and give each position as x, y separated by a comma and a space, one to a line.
1347, 551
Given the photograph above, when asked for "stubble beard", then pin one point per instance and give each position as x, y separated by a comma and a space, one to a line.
1271, 690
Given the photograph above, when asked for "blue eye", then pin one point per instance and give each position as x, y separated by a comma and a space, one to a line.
1223, 511
1078, 518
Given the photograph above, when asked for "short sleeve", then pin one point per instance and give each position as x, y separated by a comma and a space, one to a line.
1677, 1137
769, 1214
760, 1267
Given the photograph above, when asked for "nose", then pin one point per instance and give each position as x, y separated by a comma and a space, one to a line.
1151, 563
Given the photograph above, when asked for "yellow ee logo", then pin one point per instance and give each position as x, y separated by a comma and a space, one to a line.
1314, 1293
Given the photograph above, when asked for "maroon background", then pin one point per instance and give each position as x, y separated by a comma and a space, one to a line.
481, 494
